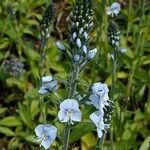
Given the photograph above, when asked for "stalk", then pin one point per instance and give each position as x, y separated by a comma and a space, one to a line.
72, 85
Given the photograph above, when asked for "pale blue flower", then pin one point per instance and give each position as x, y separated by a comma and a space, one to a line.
46, 79
48, 85
97, 119
101, 90
99, 96
69, 111
46, 134
114, 9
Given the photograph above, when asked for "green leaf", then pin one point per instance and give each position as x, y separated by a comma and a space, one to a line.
81, 130
16, 82
146, 144
126, 135
2, 110
6, 131
32, 95
10, 121
25, 115
34, 109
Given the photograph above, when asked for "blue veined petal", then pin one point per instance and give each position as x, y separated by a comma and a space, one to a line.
42, 91
46, 143
69, 111
69, 104
50, 130
62, 116
39, 130
76, 116
95, 100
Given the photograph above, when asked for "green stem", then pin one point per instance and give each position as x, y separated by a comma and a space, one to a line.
43, 109
72, 86
66, 137
138, 52
114, 79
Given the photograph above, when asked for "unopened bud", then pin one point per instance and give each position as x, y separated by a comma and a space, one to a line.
91, 54
60, 46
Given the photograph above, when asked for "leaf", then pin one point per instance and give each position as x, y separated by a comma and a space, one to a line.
32, 95
13, 143
25, 115
126, 135
10, 121
2, 110
15, 82
146, 144
30, 138
6, 131
80, 130
34, 109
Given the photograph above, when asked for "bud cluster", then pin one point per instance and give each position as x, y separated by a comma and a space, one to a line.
81, 25
47, 20
113, 34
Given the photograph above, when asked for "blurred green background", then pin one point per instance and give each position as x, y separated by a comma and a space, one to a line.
19, 56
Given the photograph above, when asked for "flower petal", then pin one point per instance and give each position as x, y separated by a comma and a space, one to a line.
62, 116
76, 116
39, 130
46, 143
69, 104
47, 79
95, 100
99, 133
51, 131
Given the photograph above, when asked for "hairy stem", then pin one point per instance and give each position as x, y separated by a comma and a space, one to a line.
114, 78
72, 86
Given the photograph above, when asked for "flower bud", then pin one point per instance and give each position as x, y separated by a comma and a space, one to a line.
78, 42
47, 79
84, 48
60, 46
91, 54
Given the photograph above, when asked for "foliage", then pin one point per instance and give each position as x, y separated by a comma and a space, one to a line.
19, 100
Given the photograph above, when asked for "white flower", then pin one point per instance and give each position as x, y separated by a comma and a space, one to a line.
78, 42
97, 119
91, 54
46, 134
114, 9
60, 45
69, 111
46, 79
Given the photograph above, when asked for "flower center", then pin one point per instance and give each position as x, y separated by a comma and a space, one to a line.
69, 113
